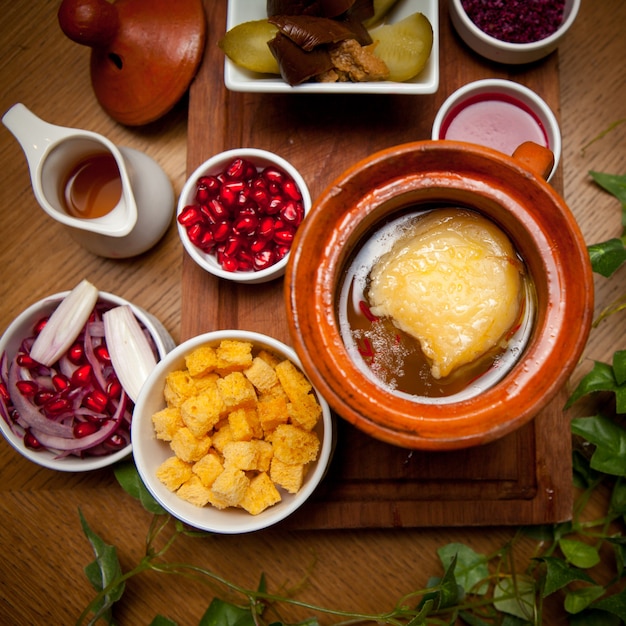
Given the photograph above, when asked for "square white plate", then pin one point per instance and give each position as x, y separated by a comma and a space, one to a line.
238, 79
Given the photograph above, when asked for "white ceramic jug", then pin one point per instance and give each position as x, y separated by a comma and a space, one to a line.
146, 205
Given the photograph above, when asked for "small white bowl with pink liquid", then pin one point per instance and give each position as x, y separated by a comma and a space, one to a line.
499, 114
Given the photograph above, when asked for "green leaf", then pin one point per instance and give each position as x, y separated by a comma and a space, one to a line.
619, 366
610, 441
159, 620
600, 378
618, 497
597, 618
615, 604
606, 257
579, 599
471, 568
222, 613
105, 570
447, 591
516, 596
612, 183
559, 574
579, 553
128, 477
584, 476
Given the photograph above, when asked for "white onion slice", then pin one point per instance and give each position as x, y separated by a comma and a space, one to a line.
65, 324
129, 349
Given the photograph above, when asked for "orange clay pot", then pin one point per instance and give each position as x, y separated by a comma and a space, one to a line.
512, 193
144, 53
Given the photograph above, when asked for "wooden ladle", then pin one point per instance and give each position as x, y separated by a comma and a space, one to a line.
144, 55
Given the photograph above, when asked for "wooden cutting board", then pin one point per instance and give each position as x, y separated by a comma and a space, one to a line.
524, 478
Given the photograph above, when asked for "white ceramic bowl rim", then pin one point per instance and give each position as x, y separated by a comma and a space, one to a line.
214, 164
515, 47
24, 321
524, 94
229, 521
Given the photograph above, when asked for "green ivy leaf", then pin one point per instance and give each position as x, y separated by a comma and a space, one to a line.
448, 591
105, 569
471, 568
610, 441
128, 477
222, 613
613, 183
579, 599
606, 257
559, 574
600, 378
618, 497
159, 620
615, 604
579, 553
516, 596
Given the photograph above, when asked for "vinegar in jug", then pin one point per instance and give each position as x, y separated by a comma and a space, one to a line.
92, 187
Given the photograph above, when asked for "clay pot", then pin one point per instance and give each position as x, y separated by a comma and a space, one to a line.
512, 192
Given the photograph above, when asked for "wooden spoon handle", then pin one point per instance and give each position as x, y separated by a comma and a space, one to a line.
92, 23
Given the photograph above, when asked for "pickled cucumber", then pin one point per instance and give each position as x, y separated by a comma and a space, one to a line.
381, 8
246, 46
404, 46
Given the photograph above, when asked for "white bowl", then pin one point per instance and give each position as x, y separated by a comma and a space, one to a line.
527, 103
22, 327
214, 165
505, 52
239, 79
149, 452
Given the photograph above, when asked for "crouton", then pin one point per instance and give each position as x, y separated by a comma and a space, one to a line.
230, 486
292, 380
173, 472
166, 422
237, 391
221, 436
187, 446
200, 413
289, 477
245, 424
194, 491
248, 455
178, 387
233, 356
293, 445
261, 374
260, 494
305, 411
272, 411
201, 361
271, 359
208, 468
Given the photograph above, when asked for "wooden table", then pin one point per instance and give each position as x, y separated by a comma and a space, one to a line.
43, 548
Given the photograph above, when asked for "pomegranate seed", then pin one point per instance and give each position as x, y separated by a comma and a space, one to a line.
31, 442
211, 183
291, 213
281, 251
218, 210
202, 194
114, 389
228, 196
196, 234
229, 264
266, 228
76, 353
60, 382
259, 244
115, 441
274, 205
27, 361
57, 406
27, 387
246, 225
84, 429
102, 353
42, 397
82, 375
221, 231
273, 175
4, 393
189, 216
38, 327
291, 189
233, 245
264, 259
96, 401
284, 236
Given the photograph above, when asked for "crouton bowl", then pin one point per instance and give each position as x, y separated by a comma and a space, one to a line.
228, 434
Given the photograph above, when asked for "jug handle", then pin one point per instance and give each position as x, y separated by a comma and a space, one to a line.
536, 158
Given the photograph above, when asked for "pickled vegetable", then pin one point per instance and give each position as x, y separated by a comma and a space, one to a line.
404, 46
381, 8
246, 46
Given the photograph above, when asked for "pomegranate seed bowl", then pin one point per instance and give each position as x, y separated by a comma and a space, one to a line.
72, 413
238, 214
229, 435
500, 32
